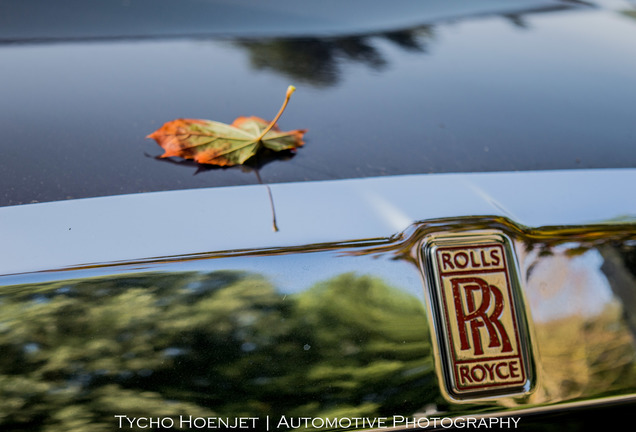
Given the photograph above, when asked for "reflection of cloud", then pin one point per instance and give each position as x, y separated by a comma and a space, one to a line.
561, 286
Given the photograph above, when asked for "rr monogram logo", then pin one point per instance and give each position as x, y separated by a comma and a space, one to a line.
476, 298
487, 314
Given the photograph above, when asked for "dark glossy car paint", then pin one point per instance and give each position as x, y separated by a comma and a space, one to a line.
188, 303
432, 88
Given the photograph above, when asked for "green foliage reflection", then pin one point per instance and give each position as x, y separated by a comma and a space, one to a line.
77, 353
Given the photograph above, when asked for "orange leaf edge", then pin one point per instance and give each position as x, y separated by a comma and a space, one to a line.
172, 128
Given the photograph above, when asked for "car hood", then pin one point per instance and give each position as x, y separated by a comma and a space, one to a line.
414, 88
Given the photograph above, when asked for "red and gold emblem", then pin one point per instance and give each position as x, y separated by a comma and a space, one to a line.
480, 325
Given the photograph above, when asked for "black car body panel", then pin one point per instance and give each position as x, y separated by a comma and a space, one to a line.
434, 87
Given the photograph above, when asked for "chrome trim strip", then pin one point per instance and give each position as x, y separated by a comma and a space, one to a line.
47, 236
543, 410
353, 309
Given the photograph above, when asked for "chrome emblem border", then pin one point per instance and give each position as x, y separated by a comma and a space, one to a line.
480, 324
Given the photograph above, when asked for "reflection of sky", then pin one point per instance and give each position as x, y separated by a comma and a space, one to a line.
559, 285
288, 273
562, 286
294, 273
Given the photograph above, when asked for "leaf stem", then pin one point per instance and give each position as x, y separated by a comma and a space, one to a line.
290, 90
271, 200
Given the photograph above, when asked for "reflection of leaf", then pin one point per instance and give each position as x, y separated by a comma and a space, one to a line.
211, 142
254, 164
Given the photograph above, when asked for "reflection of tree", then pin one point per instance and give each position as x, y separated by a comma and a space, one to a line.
76, 353
612, 242
583, 355
376, 352
619, 266
227, 343
630, 13
318, 61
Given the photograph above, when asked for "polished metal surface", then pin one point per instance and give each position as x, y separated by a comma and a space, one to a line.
48, 236
103, 320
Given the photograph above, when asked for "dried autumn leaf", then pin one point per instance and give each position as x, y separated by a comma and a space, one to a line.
211, 142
